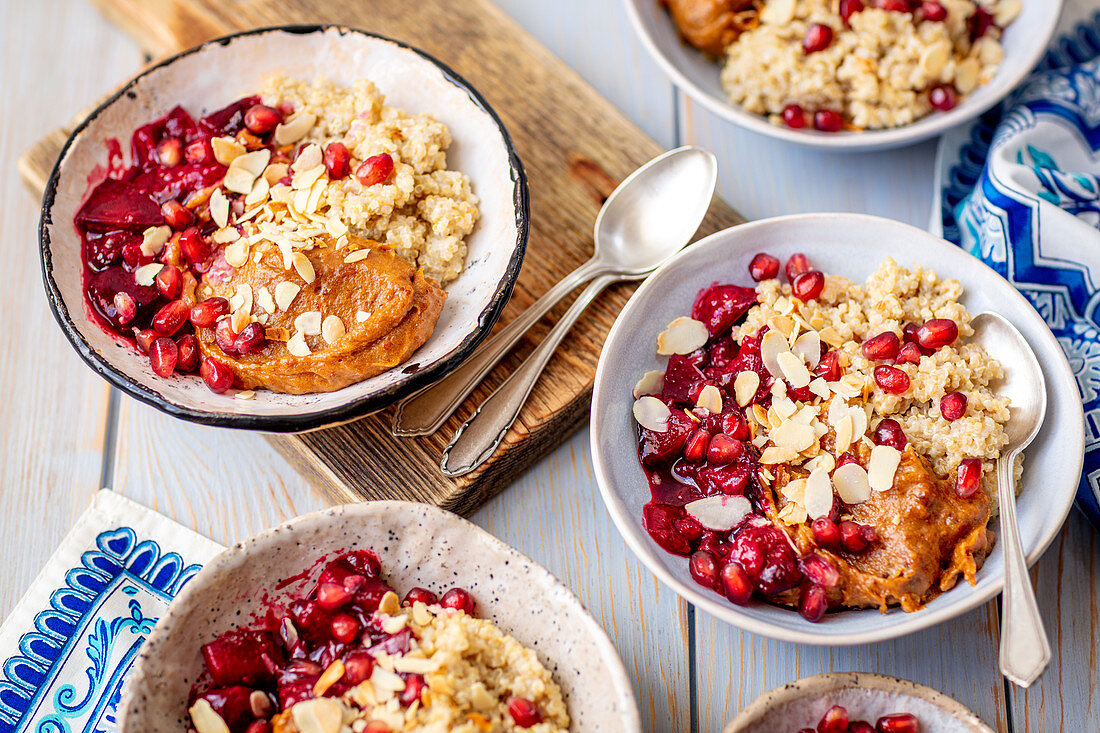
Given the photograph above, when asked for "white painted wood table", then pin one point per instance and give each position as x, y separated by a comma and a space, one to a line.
63, 434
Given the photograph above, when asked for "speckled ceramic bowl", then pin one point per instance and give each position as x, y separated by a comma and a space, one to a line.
801, 704
418, 545
223, 70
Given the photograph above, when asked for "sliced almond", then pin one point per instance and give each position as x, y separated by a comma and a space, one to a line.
745, 386
882, 466
260, 191
390, 604
319, 715
934, 57
824, 461
238, 180
239, 319
792, 514
332, 329
1006, 11
784, 408
356, 256
295, 128
297, 345
219, 206
363, 317
206, 719
308, 323
808, 347
831, 336
309, 157
818, 498
776, 454
225, 235
147, 274
260, 704
652, 382
820, 388
844, 434
285, 293
795, 490
859, 422
303, 267
794, 436
683, 336
274, 173
415, 665
226, 150
245, 394
719, 513
236, 254
771, 346
254, 162
328, 678
851, 483
966, 75
651, 413
794, 371
387, 681
710, 398
777, 12
306, 179
153, 240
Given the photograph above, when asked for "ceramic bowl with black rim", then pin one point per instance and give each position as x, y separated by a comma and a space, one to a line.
219, 72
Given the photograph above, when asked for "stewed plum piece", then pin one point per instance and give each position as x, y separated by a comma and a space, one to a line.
720, 306
241, 657
767, 557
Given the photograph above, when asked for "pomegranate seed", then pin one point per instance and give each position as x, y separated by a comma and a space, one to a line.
170, 282
808, 285
163, 355
225, 337
354, 583
724, 449
796, 265
943, 97
884, 346
736, 583
909, 354
125, 308
262, 119
337, 160
764, 267
953, 406
524, 712
848, 8
889, 432
891, 379
331, 596
344, 628
375, 169
696, 447
868, 532
794, 117
898, 723
852, 538
937, 333
358, 666
826, 533
704, 569
835, 720
170, 152
170, 317
458, 598
176, 215
847, 457
896, 6
819, 570
909, 333
980, 23
207, 313
217, 376
968, 477
735, 426
933, 11
258, 726
818, 38
145, 338
193, 246
376, 726
251, 337
414, 686
188, 360
829, 367
813, 606
828, 120
860, 726
689, 528
423, 595
199, 152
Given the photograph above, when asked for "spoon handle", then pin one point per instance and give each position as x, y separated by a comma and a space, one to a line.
1025, 650
425, 412
479, 437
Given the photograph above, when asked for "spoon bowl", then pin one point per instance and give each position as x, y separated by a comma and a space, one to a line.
1023, 384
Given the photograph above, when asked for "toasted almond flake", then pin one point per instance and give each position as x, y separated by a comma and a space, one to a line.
776, 454
303, 267
844, 434
394, 624
805, 415
226, 150
259, 193
1006, 11
315, 194
246, 394
328, 678
255, 162
260, 704
777, 12
881, 467
362, 317
332, 329
651, 413
206, 719
238, 180
831, 336
335, 227
386, 681
795, 490
153, 240
219, 207
851, 483
808, 347
934, 57
226, 235
308, 323
784, 325
760, 415
818, 498
420, 613
824, 461
297, 345
779, 388
275, 172
683, 336
710, 398
966, 75
719, 513
793, 513
309, 157
147, 274
285, 293
783, 407
236, 254
295, 128
771, 346
413, 665
307, 177
793, 436
859, 422
820, 388
844, 389
239, 319
319, 715
794, 371
745, 386
652, 382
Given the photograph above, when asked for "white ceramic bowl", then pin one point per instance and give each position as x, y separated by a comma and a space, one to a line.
418, 545
842, 244
1025, 40
801, 704
221, 71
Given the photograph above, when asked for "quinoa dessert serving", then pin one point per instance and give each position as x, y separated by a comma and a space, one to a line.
837, 65
350, 657
824, 444
297, 240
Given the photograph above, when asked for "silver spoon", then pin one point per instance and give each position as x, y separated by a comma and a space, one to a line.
647, 218
651, 216
1025, 650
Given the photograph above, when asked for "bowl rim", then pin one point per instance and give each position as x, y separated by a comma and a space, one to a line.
318, 418
240, 552
922, 129
1059, 378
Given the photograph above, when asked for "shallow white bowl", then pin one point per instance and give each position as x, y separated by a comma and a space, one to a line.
841, 244
223, 70
418, 545
1025, 40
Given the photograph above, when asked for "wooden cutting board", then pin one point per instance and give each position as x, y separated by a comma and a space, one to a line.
575, 146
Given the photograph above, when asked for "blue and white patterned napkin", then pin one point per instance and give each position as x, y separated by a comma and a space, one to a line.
71, 640
1020, 189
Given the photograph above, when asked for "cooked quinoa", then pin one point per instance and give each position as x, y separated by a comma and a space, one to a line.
424, 210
